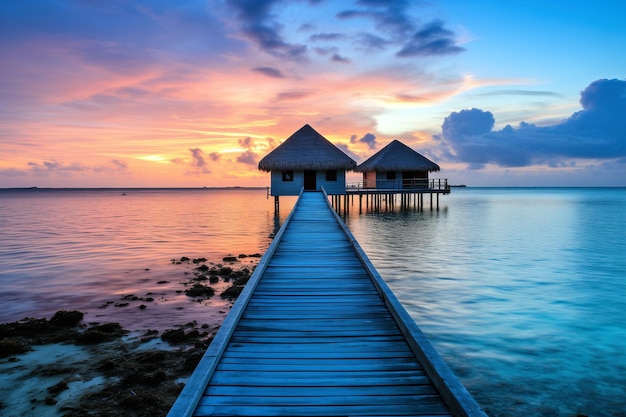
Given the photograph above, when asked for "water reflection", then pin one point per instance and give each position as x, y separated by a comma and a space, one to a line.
519, 290
77, 249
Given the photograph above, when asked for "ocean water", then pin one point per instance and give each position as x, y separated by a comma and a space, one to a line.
89, 249
522, 291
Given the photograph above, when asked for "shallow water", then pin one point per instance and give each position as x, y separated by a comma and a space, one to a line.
520, 290
82, 249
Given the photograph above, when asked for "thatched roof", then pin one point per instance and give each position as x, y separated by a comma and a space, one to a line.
396, 156
306, 150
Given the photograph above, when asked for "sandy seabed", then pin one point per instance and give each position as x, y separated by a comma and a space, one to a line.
70, 365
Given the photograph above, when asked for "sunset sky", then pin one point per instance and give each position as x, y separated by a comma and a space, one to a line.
151, 93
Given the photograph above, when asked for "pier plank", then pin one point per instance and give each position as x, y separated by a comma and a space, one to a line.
314, 333
323, 410
374, 392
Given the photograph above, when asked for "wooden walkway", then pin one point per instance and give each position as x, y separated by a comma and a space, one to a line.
316, 332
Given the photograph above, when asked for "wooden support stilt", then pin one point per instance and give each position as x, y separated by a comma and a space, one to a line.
386, 201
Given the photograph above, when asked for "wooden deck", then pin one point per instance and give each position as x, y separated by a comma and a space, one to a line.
317, 332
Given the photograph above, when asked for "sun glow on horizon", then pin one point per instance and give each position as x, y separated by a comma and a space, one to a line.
154, 158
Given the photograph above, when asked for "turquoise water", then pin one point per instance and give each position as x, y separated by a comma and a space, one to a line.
522, 291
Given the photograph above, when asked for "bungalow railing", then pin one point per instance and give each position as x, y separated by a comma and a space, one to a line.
401, 185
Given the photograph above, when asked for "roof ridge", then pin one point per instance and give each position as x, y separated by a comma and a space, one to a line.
397, 156
306, 148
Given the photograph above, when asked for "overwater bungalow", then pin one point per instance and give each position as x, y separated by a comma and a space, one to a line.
396, 167
307, 160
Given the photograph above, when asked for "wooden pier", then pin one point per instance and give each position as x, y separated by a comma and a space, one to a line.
317, 332
389, 195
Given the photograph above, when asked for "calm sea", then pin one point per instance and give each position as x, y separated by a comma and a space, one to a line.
521, 290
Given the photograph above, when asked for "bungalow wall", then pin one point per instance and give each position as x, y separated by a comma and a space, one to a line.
391, 180
369, 179
291, 182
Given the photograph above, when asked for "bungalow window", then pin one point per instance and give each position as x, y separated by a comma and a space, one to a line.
288, 176
331, 175
391, 175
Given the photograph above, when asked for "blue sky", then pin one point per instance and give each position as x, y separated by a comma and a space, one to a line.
168, 93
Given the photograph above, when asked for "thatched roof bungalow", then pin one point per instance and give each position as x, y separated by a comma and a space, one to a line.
396, 166
307, 159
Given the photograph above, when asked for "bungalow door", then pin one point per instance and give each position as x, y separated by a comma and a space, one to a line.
310, 183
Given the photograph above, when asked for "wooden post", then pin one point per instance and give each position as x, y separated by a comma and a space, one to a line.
276, 204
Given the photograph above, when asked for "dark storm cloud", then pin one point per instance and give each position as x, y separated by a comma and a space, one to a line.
114, 166
327, 37
248, 158
257, 24
432, 39
53, 167
198, 161
197, 156
47, 168
246, 143
269, 71
389, 15
369, 139
392, 18
596, 132
604, 95
293, 95
325, 51
599, 129
468, 123
120, 165
340, 59
13, 172
371, 42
